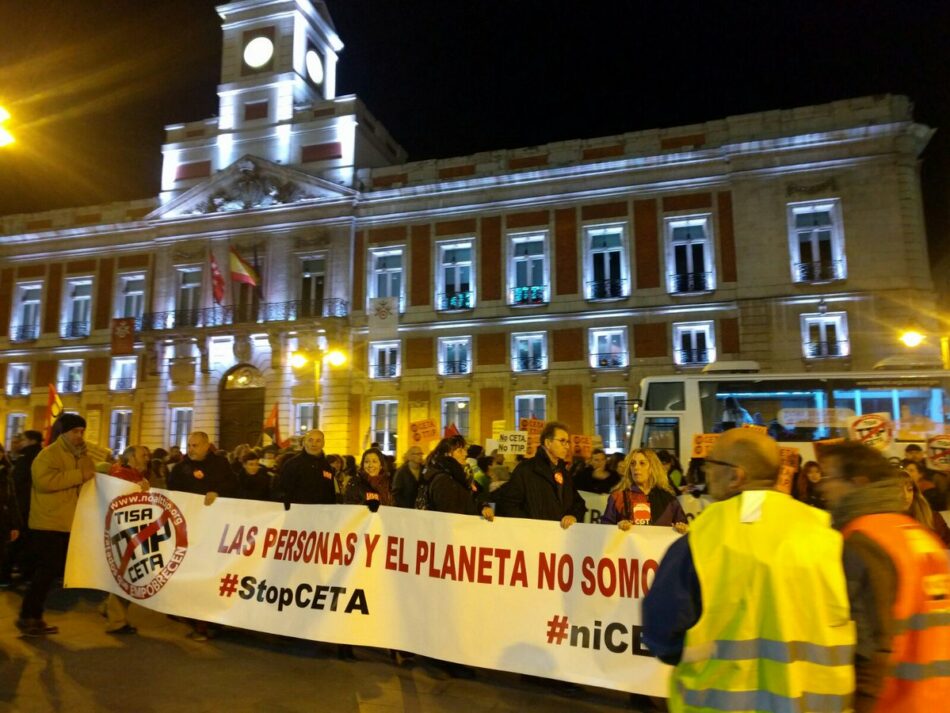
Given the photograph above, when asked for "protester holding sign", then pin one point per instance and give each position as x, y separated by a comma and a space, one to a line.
644, 495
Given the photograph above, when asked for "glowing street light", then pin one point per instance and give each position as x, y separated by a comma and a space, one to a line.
6, 138
300, 359
912, 338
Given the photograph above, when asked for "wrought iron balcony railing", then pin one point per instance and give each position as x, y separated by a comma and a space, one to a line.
821, 271
528, 363
454, 368
826, 349
19, 389
24, 332
69, 386
530, 295
609, 360
122, 383
455, 300
607, 289
384, 371
74, 330
225, 315
693, 356
686, 282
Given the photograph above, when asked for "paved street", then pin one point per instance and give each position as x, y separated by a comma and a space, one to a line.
83, 669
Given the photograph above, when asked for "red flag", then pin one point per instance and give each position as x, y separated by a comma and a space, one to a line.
242, 270
217, 280
450, 431
272, 427
54, 407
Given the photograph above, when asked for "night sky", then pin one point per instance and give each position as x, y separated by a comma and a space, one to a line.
91, 83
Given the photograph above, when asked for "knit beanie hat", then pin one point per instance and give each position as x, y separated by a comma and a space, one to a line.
69, 421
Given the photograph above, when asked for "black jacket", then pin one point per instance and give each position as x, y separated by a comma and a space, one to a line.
305, 480
449, 488
211, 475
405, 487
23, 478
9, 512
533, 491
586, 481
254, 487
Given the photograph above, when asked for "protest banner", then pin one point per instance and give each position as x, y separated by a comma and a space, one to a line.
582, 446
702, 444
565, 604
938, 453
872, 429
513, 443
596, 504
533, 426
423, 431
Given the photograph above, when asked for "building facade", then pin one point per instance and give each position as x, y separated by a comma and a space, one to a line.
539, 282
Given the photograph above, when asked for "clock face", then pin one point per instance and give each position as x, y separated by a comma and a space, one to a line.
314, 67
258, 52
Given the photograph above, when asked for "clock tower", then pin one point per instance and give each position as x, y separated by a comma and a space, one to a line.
277, 100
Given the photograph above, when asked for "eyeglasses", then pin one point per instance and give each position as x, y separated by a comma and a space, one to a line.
562, 441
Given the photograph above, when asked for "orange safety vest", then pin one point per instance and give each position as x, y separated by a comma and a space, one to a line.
919, 675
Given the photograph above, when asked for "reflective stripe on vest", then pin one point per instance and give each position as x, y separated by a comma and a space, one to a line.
721, 700
919, 671
919, 622
781, 651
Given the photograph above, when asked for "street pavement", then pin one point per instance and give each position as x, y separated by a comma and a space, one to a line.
83, 669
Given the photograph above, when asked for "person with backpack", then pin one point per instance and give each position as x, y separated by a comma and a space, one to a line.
449, 487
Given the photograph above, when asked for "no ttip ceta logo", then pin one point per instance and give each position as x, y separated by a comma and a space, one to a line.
145, 541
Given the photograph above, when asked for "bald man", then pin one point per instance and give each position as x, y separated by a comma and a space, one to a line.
203, 472
307, 478
751, 607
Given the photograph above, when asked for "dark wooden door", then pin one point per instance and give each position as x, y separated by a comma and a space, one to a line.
242, 417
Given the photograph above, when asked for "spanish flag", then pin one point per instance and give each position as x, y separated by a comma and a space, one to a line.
54, 407
242, 270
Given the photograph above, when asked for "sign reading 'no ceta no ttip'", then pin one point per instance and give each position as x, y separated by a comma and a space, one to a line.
566, 604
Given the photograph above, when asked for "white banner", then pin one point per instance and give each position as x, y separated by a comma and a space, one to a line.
514, 595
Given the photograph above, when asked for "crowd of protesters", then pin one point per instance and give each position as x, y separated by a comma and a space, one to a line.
767, 565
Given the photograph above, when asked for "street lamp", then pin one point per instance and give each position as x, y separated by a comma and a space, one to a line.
299, 361
912, 338
6, 138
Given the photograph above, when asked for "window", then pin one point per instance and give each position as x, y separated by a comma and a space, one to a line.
456, 278
383, 415
131, 297
694, 343
528, 270
530, 406
455, 412
189, 297
69, 378
26, 318
689, 256
303, 418
608, 348
246, 299
78, 308
825, 335
123, 373
386, 270
120, 426
816, 242
529, 352
16, 423
383, 360
18, 380
313, 275
606, 264
455, 355
610, 419
179, 427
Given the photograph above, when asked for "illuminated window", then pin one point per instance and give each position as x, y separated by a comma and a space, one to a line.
455, 356
689, 255
18, 380
16, 423
605, 262
179, 426
77, 308
383, 415
816, 242
383, 360
131, 297
528, 269
455, 412
387, 275
303, 418
69, 377
694, 343
529, 351
26, 316
313, 276
124, 371
120, 426
825, 335
530, 406
610, 419
456, 276
188, 299
608, 347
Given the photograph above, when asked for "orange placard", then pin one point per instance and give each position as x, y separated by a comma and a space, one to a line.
582, 445
423, 431
703, 443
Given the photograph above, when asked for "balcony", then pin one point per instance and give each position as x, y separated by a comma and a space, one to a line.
826, 349
226, 315
528, 363
821, 271
449, 301
24, 332
19, 389
684, 283
456, 368
691, 357
122, 383
606, 289
384, 371
530, 295
609, 360
74, 330
69, 386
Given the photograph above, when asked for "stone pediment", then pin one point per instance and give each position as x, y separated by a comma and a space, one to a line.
251, 183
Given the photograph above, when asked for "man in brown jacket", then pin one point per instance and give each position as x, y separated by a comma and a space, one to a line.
58, 473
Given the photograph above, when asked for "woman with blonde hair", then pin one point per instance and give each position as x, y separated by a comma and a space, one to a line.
644, 495
919, 509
